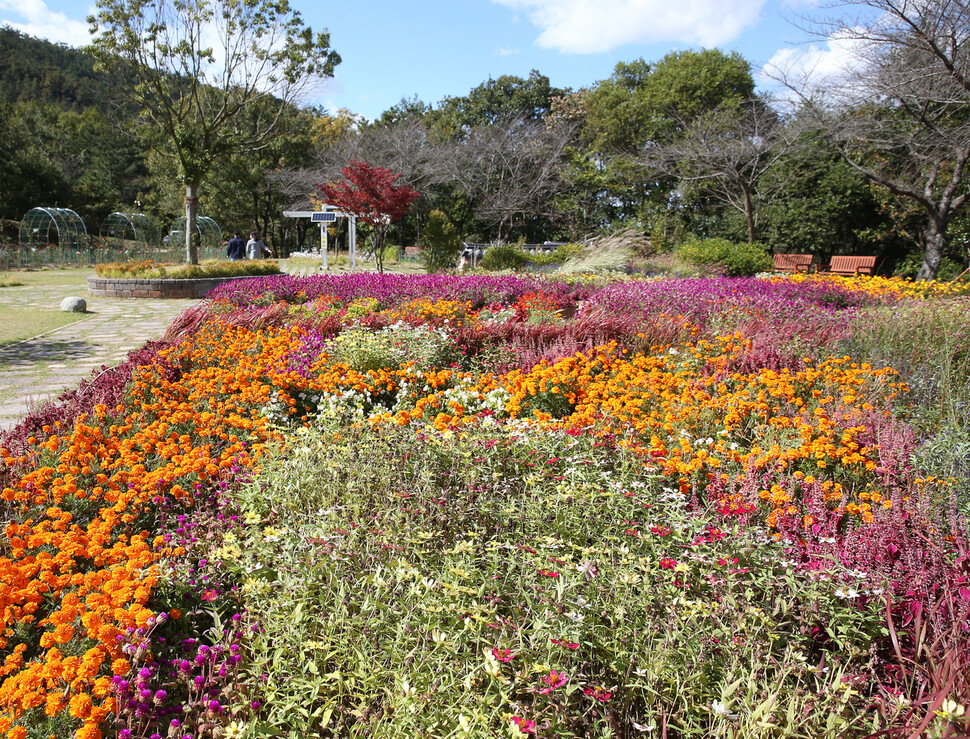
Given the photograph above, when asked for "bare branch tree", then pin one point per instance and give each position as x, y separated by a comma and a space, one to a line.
725, 153
510, 168
900, 112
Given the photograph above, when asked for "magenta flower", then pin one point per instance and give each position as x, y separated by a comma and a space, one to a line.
525, 725
553, 680
565, 643
502, 655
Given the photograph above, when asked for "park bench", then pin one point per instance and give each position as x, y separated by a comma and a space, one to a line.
852, 265
793, 262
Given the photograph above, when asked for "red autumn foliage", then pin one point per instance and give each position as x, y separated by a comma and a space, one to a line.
370, 194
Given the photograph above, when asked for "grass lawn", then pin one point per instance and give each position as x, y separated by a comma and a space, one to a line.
17, 324
19, 321
47, 277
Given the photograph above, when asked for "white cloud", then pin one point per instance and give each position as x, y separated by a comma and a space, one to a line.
592, 26
504, 51
34, 18
815, 69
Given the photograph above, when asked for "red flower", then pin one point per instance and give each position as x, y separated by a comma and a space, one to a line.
598, 693
564, 643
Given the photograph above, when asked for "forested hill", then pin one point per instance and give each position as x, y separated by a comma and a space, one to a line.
35, 70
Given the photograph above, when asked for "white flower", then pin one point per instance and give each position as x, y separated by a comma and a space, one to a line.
721, 710
950, 710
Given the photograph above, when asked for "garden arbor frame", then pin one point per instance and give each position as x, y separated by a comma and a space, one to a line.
36, 228
210, 234
326, 215
129, 227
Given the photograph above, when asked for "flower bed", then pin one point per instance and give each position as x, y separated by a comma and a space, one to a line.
440, 506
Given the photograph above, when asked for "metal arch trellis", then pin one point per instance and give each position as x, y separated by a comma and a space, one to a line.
47, 227
135, 228
210, 234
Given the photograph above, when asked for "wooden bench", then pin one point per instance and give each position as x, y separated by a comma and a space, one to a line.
793, 262
852, 266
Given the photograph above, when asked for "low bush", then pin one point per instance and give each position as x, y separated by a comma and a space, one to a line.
504, 257
725, 257
149, 270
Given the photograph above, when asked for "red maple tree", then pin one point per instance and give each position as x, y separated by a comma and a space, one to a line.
370, 194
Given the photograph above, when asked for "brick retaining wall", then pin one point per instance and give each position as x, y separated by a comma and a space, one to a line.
110, 287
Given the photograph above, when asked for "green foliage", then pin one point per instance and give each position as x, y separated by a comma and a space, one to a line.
32, 70
504, 257
643, 103
364, 350
420, 584
732, 259
820, 190
442, 246
503, 99
910, 265
558, 256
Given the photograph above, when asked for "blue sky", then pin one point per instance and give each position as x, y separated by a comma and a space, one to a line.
393, 49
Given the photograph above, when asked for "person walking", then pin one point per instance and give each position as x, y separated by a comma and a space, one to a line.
255, 248
237, 248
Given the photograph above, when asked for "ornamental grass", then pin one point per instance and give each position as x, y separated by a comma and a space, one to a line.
476, 507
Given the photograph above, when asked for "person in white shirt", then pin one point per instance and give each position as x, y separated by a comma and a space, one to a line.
255, 248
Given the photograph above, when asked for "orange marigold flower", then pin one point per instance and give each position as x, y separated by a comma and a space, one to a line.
81, 705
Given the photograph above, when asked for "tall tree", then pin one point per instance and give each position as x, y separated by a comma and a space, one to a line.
900, 115
370, 194
495, 101
827, 206
725, 153
641, 106
510, 169
196, 66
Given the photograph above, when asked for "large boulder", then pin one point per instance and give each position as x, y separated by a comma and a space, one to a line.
74, 305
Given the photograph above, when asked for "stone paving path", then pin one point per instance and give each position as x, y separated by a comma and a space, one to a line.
34, 370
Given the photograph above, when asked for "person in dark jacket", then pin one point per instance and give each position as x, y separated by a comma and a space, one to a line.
237, 247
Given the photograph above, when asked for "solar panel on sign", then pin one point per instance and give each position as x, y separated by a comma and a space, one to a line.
323, 218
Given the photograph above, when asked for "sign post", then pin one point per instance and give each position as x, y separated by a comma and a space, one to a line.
325, 217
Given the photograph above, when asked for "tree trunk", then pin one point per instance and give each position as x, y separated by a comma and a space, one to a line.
934, 235
749, 214
191, 225
379, 236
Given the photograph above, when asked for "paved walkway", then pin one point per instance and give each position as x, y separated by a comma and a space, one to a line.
34, 370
